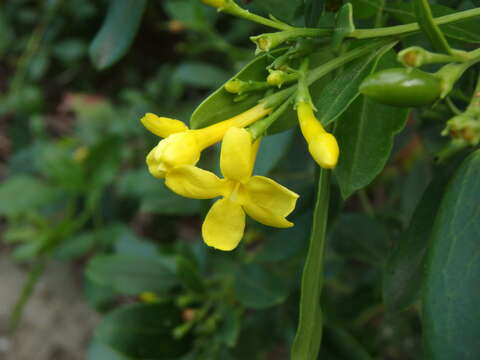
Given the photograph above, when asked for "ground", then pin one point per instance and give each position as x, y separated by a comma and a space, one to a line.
57, 323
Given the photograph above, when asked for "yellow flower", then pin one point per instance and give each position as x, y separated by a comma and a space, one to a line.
322, 145
182, 146
260, 197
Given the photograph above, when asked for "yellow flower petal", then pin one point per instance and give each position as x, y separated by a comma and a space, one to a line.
224, 225
193, 182
236, 154
270, 195
162, 126
155, 167
265, 216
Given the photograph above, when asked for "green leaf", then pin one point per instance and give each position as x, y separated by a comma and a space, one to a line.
467, 30
259, 289
220, 105
344, 25
364, 9
117, 32
308, 337
154, 196
365, 135
451, 320
313, 11
272, 149
99, 351
189, 275
22, 194
144, 331
404, 268
283, 10
360, 237
132, 275
200, 75
339, 93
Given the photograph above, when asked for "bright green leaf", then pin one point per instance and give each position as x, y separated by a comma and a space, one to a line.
220, 105
467, 30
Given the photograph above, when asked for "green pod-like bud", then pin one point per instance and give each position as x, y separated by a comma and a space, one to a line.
402, 87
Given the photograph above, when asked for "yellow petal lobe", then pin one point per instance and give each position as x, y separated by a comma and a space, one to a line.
270, 195
236, 155
162, 126
175, 150
192, 182
265, 216
224, 225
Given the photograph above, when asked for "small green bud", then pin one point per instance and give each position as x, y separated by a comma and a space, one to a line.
402, 87
234, 86
276, 78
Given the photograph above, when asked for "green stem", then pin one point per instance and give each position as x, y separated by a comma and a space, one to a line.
27, 290
259, 127
268, 41
320, 71
412, 27
232, 8
307, 340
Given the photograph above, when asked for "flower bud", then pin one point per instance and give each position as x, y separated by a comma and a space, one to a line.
177, 149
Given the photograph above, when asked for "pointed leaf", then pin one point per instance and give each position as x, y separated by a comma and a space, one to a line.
451, 319
117, 32
220, 105
365, 135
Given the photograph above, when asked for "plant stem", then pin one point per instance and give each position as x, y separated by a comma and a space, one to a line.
412, 27
27, 290
307, 340
232, 8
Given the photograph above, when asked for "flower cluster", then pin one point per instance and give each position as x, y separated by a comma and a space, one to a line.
239, 192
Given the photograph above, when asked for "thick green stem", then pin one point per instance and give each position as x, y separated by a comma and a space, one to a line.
320, 71
307, 340
412, 27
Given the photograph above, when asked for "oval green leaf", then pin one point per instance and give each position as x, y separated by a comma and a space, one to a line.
451, 319
132, 275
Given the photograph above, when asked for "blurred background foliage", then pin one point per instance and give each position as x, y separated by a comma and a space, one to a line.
75, 187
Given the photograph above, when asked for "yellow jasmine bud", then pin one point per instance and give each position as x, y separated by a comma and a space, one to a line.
322, 145
177, 149
182, 146
215, 3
